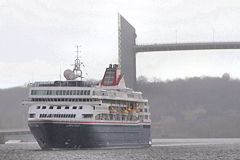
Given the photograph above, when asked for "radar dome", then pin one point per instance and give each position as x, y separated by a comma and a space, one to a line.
69, 74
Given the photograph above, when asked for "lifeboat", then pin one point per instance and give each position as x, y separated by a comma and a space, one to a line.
112, 110
133, 111
124, 111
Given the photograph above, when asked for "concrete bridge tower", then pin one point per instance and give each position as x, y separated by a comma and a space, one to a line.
126, 51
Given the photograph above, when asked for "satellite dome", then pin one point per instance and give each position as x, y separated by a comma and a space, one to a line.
69, 74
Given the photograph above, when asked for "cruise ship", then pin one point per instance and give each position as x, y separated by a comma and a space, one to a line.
83, 114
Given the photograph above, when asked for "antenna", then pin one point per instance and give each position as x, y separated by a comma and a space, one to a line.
77, 66
77, 50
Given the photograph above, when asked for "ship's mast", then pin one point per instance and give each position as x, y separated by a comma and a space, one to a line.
77, 66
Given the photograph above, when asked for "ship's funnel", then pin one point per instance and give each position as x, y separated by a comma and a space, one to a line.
113, 76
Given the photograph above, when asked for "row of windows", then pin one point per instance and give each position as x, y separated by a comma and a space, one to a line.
57, 115
60, 92
87, 115
63, 99
59, 107
82, 100
98, 117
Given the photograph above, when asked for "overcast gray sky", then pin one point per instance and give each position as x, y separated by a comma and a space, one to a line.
39, 36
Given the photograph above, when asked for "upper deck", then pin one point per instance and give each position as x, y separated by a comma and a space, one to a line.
69, 83
111, 88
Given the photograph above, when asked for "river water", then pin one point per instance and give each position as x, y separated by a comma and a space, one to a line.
165, 149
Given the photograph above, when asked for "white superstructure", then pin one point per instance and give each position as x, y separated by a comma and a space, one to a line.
76, 100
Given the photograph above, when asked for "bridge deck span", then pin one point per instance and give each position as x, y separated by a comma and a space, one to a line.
187, 46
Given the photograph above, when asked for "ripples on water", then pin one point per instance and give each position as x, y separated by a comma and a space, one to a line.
175, 149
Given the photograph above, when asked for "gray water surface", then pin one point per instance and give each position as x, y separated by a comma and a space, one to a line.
172, 149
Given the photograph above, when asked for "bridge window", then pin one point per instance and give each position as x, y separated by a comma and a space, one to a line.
43, 115
51, 107
87, 115
58, 107
74, 107
80, 107
38, 107
43, 107
33, 92
74, 92
32, 115
66, 107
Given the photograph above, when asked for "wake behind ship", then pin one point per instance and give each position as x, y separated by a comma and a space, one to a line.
83, 114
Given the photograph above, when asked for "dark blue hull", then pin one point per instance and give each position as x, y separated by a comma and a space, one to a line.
56, 135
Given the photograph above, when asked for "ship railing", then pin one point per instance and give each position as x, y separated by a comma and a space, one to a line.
39, 84
64, 84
